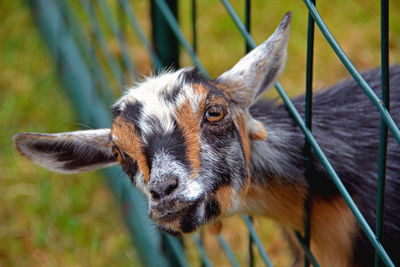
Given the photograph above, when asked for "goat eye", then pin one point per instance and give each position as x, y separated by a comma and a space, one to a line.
214, 114
118, 154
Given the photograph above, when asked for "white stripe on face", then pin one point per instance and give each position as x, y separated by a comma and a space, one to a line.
148, 94
193, 189
165, 164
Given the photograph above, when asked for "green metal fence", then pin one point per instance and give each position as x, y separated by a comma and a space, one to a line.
77, 32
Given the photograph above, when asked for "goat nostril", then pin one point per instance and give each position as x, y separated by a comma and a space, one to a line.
155, 195
171, 188
161, 189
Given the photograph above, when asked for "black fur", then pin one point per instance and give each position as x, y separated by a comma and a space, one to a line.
193, 76
130, 167
221, 137
170, 97
171, 143
133, 113
115, 110
191, 221
212, 209
346, 125
72, 155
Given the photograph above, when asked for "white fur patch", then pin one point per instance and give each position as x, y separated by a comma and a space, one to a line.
188, 93
141, 185
149, 95
165, 164
193, 190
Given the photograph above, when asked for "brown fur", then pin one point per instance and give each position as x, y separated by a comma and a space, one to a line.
130, 142
333, 227
259, 133
224, 196
244, 135
215, 228
332, 222
282, 202
189, 122
199, 89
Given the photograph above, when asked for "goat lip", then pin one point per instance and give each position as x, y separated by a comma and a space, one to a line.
166, 216
164, 212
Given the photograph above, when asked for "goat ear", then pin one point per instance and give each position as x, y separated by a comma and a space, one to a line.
258, 70
69, 152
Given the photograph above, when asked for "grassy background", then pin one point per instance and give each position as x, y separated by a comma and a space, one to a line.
48, 219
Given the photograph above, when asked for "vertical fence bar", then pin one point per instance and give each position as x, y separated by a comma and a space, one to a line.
380, 204
308, 122
247, 22
164, 41
307, 251
173, 23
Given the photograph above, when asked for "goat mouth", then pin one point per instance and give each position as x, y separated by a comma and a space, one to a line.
167, 216
177, 220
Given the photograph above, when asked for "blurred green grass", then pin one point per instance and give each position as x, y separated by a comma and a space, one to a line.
49, 219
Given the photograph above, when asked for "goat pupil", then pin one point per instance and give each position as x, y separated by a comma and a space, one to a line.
214, 114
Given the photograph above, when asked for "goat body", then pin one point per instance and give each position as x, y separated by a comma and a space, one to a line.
201, 150
346, 125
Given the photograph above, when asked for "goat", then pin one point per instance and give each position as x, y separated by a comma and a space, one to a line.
203, 149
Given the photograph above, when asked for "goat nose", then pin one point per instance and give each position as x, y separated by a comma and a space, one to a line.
163, 188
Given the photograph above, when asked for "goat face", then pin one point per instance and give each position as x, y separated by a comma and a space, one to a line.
183, 140
187, 139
